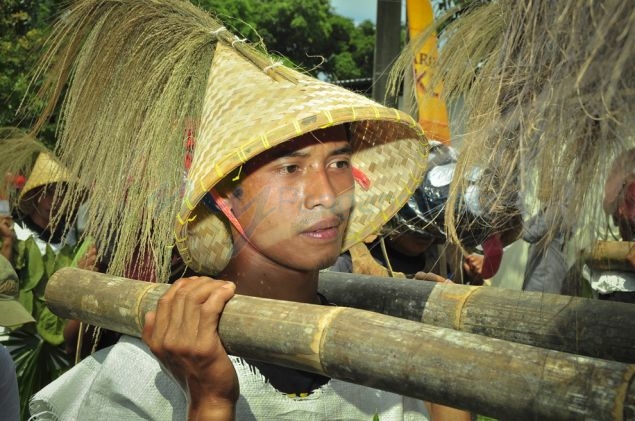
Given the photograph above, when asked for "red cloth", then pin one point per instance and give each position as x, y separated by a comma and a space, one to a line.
493, 255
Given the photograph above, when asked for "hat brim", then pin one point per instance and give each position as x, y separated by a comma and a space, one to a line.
13, 314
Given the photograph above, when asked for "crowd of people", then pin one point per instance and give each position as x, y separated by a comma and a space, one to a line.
322, 179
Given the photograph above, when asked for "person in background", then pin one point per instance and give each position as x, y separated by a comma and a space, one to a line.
414, 242
7, 234
41, 242
547, 268
12, 315
619, 205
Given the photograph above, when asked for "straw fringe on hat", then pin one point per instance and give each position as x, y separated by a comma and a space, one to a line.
548, 98
145, 73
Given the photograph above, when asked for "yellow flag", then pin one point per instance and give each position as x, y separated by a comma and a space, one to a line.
433, 115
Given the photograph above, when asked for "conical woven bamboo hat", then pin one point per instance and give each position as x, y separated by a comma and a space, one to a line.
46, 170
246, 112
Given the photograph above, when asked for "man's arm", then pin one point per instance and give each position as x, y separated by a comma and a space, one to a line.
183, 334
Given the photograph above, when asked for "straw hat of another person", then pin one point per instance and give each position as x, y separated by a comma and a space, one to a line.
12, 313
46, 171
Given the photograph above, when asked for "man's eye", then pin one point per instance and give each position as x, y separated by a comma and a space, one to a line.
344, 163
289, 169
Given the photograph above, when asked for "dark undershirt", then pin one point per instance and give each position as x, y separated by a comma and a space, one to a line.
283, 379
289, 380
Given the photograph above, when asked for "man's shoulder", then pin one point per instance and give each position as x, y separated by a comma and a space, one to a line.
123, 381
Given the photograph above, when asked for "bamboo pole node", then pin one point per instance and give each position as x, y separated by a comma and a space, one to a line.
583, 326
622, 396
138, 305
460, 310
323, 323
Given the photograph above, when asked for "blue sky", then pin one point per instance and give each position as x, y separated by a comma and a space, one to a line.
360, 10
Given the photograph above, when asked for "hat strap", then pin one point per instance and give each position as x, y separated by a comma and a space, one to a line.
228, 213
361, 178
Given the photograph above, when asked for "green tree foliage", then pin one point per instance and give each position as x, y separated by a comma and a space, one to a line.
23, 29
306, 32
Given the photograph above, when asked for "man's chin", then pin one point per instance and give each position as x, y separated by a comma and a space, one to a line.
327, 263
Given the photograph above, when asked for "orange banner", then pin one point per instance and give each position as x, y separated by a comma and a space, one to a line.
433, 115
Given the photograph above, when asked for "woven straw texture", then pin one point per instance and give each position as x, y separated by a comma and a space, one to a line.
46, 170
246, 112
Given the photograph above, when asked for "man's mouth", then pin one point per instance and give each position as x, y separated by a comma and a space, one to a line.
325, 229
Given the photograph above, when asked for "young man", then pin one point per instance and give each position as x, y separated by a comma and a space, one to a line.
289, 211
284, 172
277, 256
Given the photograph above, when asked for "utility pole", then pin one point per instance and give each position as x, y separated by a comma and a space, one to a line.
387, 46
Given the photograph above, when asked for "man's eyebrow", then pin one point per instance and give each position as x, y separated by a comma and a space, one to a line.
289, 154
344, 150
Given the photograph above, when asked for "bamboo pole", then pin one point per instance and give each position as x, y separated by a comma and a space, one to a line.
583, 326
480, 374
610, 255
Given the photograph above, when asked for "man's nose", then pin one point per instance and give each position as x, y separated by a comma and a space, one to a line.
319, 190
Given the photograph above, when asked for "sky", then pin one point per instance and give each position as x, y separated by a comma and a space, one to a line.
358, 10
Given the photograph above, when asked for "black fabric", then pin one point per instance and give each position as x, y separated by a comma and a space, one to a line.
398, 261
289, 380
45, 234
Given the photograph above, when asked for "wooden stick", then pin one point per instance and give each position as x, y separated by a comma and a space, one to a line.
480, 374
594, 328
610, 255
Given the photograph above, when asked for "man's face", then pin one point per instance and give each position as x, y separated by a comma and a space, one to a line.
624, 216
294, 200
42, 206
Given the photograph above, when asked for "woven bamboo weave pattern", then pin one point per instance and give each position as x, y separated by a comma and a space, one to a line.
245, 112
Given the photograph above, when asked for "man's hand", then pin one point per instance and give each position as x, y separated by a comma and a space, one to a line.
473, 268
183, 334
429, 276
7, 237
89, 260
